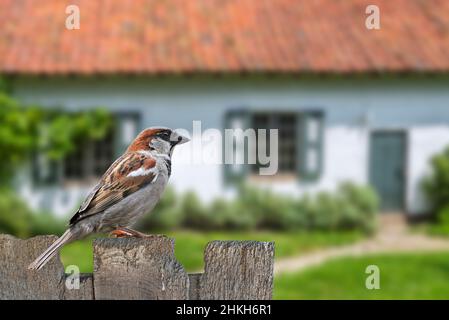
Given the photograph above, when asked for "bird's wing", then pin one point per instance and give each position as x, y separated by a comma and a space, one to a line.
127, 174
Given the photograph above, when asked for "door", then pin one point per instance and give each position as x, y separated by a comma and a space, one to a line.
387, 168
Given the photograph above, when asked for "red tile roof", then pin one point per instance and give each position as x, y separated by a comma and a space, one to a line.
175, 36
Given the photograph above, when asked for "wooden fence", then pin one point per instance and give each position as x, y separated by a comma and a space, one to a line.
131, 268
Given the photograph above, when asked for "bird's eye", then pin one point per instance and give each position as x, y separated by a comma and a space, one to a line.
164, 135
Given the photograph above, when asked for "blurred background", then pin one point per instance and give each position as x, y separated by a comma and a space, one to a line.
362, 114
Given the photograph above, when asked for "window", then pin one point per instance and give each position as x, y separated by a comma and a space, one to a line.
91, 158
103, 154
300, 143
74, 163
286, 125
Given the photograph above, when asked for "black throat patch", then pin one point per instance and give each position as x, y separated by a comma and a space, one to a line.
168, 165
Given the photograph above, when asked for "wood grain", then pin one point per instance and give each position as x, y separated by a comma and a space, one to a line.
237, 270
142, 269
17, 282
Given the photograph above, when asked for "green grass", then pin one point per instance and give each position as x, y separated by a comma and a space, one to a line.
402, 276
438, 230
189, 245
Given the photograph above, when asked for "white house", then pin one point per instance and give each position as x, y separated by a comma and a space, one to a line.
350, 103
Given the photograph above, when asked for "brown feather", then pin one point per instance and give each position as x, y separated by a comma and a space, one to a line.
142, 141
115, 184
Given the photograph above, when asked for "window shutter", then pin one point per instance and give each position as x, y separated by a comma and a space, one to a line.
310, 149
234, 172
127, 128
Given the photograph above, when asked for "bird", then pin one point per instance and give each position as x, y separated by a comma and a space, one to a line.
131, 187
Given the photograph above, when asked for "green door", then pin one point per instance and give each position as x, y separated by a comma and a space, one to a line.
387, 168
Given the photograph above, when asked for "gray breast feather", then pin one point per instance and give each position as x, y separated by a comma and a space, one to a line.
126, 212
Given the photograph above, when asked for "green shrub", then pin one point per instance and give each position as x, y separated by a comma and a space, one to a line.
443, 215
278, 212
441, 228
326, 208
231, 215
225, 214
18, 220
360, 205
436, 184
350, 207
14, 215
46, 223
166, 214
194, 213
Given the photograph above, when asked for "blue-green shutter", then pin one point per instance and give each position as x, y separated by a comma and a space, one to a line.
310, 145
234, 173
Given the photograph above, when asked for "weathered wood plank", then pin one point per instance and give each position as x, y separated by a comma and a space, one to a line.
139, 269
194, 286
17, 282
237, 270
85, 291
145, 268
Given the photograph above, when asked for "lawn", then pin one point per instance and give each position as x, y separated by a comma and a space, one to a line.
189, 245
402, 276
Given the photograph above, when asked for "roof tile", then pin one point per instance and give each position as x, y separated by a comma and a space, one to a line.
175, 36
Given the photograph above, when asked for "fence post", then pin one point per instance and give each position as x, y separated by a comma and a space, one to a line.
130, 268
237, 270
17, 282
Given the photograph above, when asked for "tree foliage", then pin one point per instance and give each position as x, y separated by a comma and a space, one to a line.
28, 129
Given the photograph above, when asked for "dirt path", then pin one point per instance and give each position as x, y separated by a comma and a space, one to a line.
392, 237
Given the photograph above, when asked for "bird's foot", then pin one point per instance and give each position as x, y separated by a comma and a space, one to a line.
127, 233
120, 233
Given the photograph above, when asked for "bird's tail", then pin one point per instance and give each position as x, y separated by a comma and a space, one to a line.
51, 251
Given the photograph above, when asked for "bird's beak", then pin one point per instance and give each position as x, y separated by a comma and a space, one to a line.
179, 139
183, 139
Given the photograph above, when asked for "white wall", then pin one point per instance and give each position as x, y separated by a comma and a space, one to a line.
352, 108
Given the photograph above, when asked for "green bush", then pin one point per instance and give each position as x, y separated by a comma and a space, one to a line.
46, 223
443, 215
277, 212
326, 208
226, 215
349, 207
442, 225
195, 213
166, 215
14, 215
18, 220
436, 184
360, 206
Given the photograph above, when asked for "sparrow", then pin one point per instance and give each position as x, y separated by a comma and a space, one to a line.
131, 187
